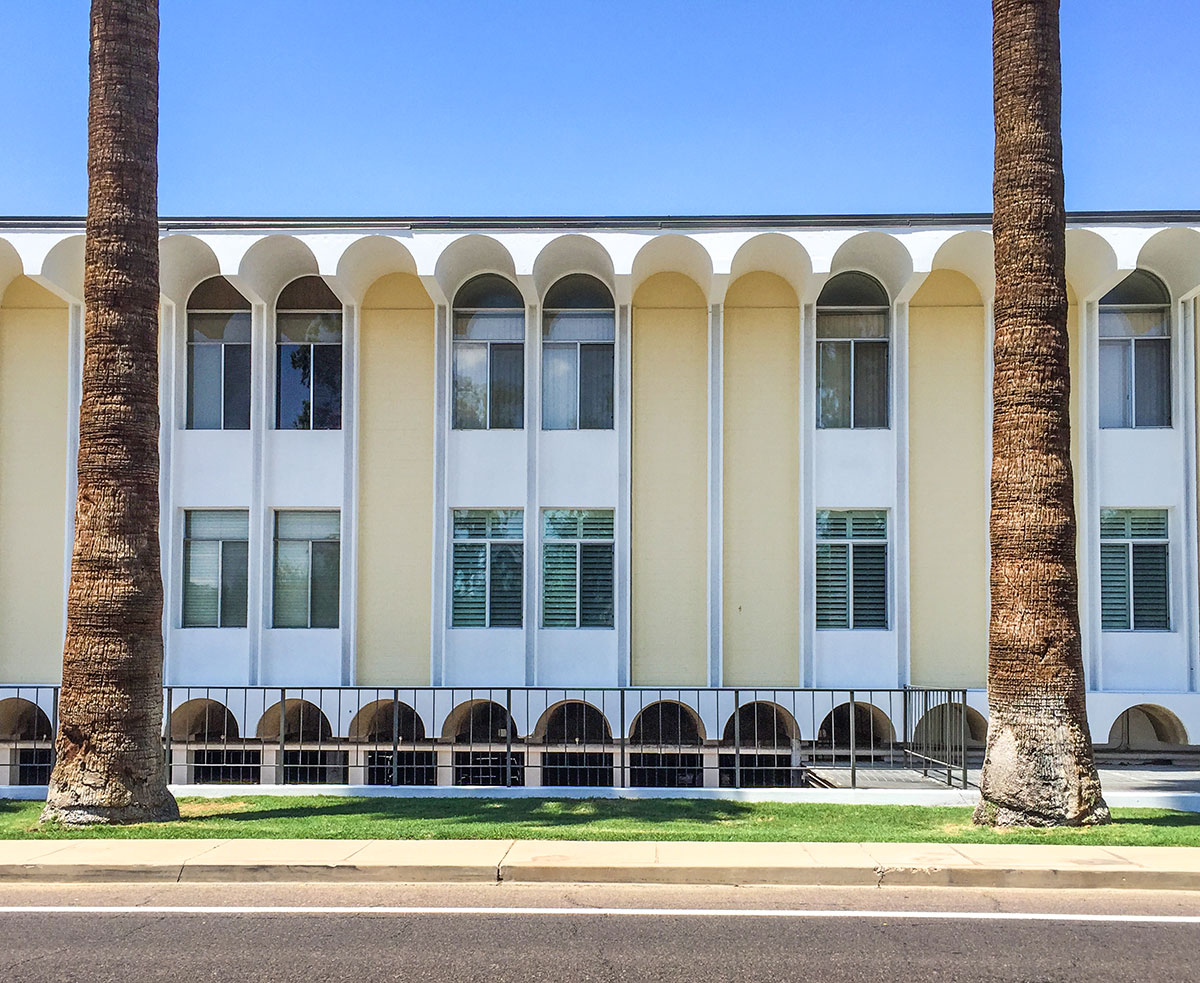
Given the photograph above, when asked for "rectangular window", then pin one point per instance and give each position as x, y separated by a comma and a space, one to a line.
577, 370
1134, 570
852, 569
487, 568
489, 370
215, 566
308, 371
1135, 367
307, 587
218, 370
852, 369
577, 568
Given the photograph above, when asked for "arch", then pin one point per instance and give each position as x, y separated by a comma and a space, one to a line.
203, 720
1141, 287
302, 721
469, 255
479, 721
773, 252
579, 291
367, 259
571, 254
883, 256
274, 261
375, 722
62, 269
972, 254
853, 288
667, 722
1174, 254
674, 253
762, 289
947, 288
216, 293
1145, 727
1091, 263
945, 718
573, 722
872, 727
489, 291
184, 261
308, 293
11, 266
760, 724
397, 291
23, 720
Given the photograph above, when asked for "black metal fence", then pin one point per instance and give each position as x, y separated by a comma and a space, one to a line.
635, 737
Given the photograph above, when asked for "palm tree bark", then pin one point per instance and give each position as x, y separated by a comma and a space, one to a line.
109, 766
1039, 768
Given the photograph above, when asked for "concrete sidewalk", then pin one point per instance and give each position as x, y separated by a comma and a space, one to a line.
553, 861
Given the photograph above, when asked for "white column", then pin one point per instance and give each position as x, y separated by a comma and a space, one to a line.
261, 535
716, 391
623, 420
441, 416
900, 563
348, 617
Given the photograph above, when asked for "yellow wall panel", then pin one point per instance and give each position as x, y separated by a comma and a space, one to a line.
33, 499
761, 481
395, 482
669, 629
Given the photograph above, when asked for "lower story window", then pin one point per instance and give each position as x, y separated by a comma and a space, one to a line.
852, 569
1134, 564
215, 565
577, 568
307, 569
488, 568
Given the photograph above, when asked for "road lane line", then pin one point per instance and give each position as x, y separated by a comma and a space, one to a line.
1000, 916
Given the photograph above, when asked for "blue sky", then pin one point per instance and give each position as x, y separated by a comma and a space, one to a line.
540, 107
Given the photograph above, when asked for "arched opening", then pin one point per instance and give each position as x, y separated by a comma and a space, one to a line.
203, 721
487, 723
568, 730
1147, 727
394, 723
218, 357
489, 355
303, 723
207, 722
308, 364
578, 334
872, 730
574, 722
853, 327
24, 722
766, 740
943, 725
1135, 353
661, 731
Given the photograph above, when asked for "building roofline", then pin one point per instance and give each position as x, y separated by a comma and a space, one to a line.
649, 223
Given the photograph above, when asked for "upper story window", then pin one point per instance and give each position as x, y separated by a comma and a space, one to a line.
853, 315
578, 330
852, 569
1134, 552
488, 565
218, 357
577, 568
308, 370
215, 568
1135, 353
489, 355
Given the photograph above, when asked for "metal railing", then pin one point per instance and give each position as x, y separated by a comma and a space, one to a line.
633, 737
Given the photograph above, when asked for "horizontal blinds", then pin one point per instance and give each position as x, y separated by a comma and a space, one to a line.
833, 575
235, 562
217, 524
308, 525
868, 525
558, 585
1133, 524
869, 575
1114, 586
577, 524
506, 594
596, 585
469, 591
1151, 603
201, 573
290, 595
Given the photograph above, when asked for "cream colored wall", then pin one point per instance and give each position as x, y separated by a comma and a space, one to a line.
761, 483
669, 629
948, 486
33, 448
395, 481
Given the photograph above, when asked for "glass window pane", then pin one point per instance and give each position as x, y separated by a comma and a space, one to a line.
871, 384
1115, 384
870, 586
1117, 322
1151, 600
489, 326
506, 585
596, 585
237, 387
561, 523
292, 407
290, 593
596, 387
833, 525
216, 327
1147, 523
216, 524
852, 324
833, 594
327, 387
833, 384
560, 382
301, 329
204, 387
506, 524
470, 387
1114, 586
558, 585
579, 326
308, 525
235, 562
507, 387
597, 524
1152, 372
326, 583
468, 591
200, 575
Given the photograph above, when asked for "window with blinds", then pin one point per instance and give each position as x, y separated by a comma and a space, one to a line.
1134, 572
215, 565
578, 330
1135, 353
852, 569
577, 568
487, 568
489, 355
218, 357
853, 314
307, 583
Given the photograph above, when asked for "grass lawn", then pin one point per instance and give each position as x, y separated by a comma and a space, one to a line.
332, 817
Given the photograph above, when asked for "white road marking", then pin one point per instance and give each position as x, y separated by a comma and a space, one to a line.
981, 916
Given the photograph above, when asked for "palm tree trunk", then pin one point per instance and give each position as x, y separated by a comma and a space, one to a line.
109, 766
1039, 768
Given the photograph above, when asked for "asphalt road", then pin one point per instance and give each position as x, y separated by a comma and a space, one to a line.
675, 934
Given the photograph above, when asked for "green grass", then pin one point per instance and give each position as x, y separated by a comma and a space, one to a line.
331, 817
